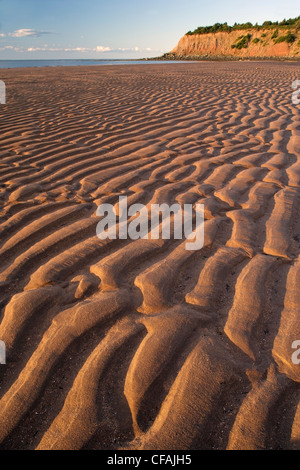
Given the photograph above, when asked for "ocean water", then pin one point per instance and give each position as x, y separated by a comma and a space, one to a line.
11, 64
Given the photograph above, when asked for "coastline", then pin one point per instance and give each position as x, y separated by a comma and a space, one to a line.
166, 59
215, 58
12, 64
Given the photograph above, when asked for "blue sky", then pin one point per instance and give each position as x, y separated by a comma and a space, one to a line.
55, 29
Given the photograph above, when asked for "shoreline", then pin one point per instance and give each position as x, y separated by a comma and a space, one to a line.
149, 62
211, 58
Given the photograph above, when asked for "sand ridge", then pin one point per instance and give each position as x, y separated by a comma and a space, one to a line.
142, 344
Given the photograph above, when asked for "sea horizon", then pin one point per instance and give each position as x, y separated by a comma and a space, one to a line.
23, 63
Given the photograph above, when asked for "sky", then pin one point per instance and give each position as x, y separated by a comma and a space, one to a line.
118, 29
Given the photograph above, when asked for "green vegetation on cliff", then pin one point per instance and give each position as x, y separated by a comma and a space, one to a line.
242, 42
292, 23
289, 38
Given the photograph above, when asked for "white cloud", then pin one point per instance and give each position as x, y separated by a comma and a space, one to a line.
89, 49
128, 49
102, 49
11, 48
2, 35
93, 50
36, 49
26, 32
76, 49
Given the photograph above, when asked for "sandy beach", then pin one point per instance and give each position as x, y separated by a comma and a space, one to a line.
141, 344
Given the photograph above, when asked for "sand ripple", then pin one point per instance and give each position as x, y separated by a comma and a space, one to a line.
142, 344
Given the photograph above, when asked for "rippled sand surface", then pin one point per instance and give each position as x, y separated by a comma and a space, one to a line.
142, 344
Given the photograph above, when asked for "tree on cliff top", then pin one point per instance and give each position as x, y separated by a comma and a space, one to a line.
224, 27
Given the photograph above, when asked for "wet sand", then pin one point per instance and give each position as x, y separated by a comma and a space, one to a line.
142, 344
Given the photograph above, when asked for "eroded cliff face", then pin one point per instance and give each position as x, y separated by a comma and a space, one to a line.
261, 44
